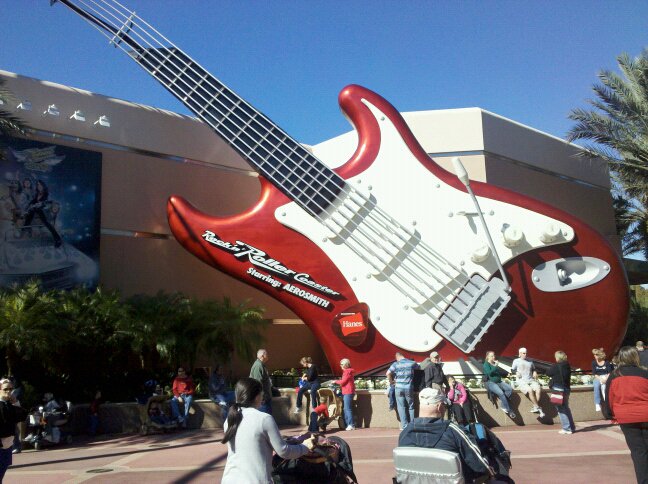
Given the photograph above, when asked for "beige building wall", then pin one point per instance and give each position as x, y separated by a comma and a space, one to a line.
149, 154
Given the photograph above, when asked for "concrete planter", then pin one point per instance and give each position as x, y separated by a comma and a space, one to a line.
371, 409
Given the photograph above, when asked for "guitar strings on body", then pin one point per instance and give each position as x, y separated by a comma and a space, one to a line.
411, 266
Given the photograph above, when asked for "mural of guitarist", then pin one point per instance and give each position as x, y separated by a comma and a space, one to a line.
389, 252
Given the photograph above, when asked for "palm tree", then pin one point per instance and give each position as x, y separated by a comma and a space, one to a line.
159, 327
229, 329
28, 324
9, 124
632, 225
618, 130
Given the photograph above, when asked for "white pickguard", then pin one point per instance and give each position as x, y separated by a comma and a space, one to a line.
445, 220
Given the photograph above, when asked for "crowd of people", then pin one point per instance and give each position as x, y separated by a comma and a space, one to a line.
443, 418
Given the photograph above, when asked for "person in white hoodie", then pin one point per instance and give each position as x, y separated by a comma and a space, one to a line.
251, 436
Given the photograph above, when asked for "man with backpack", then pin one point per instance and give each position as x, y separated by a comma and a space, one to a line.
432, 431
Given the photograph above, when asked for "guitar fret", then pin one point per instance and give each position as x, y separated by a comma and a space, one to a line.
276, 155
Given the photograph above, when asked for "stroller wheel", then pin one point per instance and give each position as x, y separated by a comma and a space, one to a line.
38, 445
341, 423
323, 427
143, 430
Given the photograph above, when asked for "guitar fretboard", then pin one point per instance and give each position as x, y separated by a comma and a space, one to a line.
274, 154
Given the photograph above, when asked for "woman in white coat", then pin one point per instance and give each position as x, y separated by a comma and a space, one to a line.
251, 437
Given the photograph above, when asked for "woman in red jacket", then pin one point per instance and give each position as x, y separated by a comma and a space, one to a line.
348, 391
627, 403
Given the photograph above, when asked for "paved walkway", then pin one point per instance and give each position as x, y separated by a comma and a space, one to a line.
597, 453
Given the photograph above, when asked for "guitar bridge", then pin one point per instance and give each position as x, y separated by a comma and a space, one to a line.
467, 318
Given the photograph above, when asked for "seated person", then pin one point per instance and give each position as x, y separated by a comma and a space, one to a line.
430, 430
527, 378
52, 412
148, 389
157, 415
217, 392
183, 391
461, 406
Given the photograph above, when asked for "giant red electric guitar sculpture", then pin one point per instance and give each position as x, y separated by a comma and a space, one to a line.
386, 253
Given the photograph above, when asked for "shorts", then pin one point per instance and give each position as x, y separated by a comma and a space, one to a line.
526, 386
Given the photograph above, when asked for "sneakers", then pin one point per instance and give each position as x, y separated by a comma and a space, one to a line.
510, 413
565, 432
538, 410
597, 407
297, 410
350, 427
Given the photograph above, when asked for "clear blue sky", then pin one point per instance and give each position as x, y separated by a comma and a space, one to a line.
531, 61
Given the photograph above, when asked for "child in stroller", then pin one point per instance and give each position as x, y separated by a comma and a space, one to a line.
44, 423
330, 407
153, 418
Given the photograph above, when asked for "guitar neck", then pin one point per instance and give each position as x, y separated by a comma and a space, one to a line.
264, 145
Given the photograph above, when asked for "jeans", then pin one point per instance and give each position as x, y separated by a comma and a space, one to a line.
224, 400
636, 435
313, 387
391, 396
566, 419
405, 405
266, 407
598, 391
175, 410
503, 391
348, 410
94, 424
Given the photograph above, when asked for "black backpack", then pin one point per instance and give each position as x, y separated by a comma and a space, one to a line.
491, 448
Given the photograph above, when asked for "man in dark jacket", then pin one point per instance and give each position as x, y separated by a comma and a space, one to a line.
260, 372
431, 431
10, 415
433, 375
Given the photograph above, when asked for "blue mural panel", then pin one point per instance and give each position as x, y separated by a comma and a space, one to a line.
50, 214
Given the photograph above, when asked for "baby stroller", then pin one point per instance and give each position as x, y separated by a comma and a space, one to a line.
152, 416
44, 424
330, 407
328, 463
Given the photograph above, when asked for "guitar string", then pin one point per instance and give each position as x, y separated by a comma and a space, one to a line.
363, 256
388, 220
129, 20
385, 223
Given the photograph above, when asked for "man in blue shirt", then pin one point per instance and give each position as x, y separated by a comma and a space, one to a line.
402, 371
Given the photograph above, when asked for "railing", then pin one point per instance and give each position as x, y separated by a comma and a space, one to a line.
380, 382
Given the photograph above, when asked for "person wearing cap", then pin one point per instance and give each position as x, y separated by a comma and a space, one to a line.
643, 354
431, 431
433, 375
402, 370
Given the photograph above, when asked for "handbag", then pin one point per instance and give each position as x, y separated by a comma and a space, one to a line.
556, 397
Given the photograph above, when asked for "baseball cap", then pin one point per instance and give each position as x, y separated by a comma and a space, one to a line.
432, 396
434, 354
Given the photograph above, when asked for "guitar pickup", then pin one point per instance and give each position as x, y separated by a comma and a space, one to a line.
465, 321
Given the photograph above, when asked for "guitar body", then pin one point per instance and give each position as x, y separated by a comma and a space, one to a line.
358, 309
